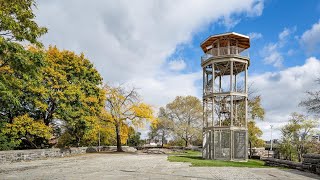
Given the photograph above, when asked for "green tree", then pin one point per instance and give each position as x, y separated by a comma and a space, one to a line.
133, 137
186, 116
6, 143
163, 127
17, 21
296, 135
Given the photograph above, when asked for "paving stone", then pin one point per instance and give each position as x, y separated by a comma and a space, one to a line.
135, 166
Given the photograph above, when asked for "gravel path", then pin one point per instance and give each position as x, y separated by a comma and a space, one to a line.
135, 166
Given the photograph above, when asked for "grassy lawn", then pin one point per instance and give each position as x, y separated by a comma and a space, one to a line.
195, 159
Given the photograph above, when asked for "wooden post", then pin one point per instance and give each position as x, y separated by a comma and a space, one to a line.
237, 47
206, 112
231, 145
213, 91
246, 92
231, 96
246, 110
203, 93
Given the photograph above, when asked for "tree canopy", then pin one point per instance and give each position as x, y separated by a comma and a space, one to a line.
296, 136
312, 101
124, 108
185, 112
53, 89
17, 21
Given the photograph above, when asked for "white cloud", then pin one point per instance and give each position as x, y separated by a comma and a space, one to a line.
257, 9
271, 53
284, 34
230, 22
165, 87
177, 65
310, 39
282, 91
131, 42
255, 35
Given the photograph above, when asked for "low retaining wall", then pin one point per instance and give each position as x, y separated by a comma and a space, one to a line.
35, 154
110, 149
283, 163
311, 163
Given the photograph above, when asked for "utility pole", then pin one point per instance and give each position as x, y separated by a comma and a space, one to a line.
271, 137
99, 141
99, 135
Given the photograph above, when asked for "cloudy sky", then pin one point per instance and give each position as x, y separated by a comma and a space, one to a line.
154, 45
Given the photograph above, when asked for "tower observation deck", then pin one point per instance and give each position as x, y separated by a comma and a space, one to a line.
225, 96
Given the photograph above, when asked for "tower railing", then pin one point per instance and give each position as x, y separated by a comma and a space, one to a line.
224, 51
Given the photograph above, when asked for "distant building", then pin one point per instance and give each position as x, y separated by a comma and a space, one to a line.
275, 144
156, 141
316, 137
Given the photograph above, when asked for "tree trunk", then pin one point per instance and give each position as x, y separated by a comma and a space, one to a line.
162, 139
119, 148
250, 147
187, 139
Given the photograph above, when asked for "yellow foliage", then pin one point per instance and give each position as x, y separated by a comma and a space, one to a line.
142, 112
154, 123
123, 109
26, 126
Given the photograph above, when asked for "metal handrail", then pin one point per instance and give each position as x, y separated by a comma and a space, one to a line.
223, 51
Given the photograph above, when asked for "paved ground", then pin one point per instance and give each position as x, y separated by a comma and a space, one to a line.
135, 166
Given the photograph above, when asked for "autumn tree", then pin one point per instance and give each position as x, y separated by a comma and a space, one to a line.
186, 114
19, 72
70, 93
62, 91
296, 135
255, 112
19, 67
26, 128
17, 21
125, 108
42, 88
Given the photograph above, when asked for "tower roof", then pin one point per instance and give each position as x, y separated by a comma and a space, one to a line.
243, 40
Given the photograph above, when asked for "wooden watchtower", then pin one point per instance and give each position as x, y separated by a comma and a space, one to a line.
225, 96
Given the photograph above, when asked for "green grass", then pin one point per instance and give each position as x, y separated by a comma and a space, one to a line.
195, 159
187, 153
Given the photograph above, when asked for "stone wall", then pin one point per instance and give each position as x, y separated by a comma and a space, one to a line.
283, 163
311, 163
35, 154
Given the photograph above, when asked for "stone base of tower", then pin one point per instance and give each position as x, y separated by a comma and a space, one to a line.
225, 144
